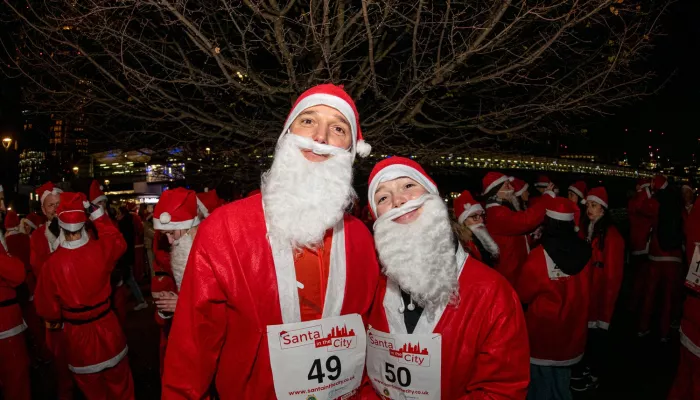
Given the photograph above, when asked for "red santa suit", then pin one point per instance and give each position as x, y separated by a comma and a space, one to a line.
510, 228
484, 348
640, 238
74, 289
14, 359
464, 206
162, 281
238, 285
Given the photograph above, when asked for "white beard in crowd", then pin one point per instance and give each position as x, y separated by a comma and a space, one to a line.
179, 253
591, 226
420, 256
481, 233
513, 199
303, 199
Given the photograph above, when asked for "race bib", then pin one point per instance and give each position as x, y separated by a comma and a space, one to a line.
692, 280
404, 366
321, 359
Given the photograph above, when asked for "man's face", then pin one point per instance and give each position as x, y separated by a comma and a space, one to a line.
475, 219
506, 190
541, 189
395, 193
175, 234
594, 210
525, 196
50, 205
324, 125
102, 204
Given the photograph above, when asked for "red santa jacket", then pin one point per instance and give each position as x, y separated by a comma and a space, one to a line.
40, 249
18, 246
163, 280
472, 249
557, 310
606, 269
656, 253
12, 274
74, 288
641, 222
484, 339
509, 229
230, 294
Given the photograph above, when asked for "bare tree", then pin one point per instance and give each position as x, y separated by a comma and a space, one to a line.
429, 77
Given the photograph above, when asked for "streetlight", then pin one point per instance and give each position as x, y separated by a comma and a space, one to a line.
75, 170
6, 142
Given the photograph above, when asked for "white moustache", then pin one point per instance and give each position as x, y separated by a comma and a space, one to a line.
320, 149
405, 208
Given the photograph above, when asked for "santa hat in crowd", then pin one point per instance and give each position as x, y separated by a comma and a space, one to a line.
253, 192
579, 188
96, 193
465, 205
34, 220
659, 182
11, 220
686, 186
560, 209
47, 189
493, 179
542, 181
334, 96
207, 201
176, 209
71, 211
643, 182
598, 195
132, 206
519, 186
397, 167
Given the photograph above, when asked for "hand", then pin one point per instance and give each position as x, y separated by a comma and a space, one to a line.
167, 301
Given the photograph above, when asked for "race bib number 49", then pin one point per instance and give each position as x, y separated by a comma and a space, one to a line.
404, 366
321, 359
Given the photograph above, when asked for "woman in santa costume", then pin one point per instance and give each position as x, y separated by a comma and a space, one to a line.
605, 269
665, 257
474, 236
277, 283
509, 226
555, 290
14, 359
443, 325
74, 291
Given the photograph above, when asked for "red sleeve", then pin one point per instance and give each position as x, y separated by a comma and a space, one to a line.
614, 265
37, 254
12, 270
503, 221
199, 326
503, 358
111, 240
649, 208
45, 296
526, 285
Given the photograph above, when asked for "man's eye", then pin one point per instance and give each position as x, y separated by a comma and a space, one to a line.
338, 130
306, 121
409, 185
381, 200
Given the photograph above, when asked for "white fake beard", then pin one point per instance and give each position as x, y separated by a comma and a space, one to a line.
420, 256
513, 199
179, 253
303, 199
481, 233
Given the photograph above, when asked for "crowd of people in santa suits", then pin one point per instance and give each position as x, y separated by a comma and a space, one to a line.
285, 295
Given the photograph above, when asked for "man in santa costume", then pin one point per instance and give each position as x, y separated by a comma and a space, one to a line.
442, 323
477, 240
74, 291
605, 269
288, 262
665, 257
31, 222
162, 282
555, 289
521, 192
207, 202
508, 226
14, 359
16, 240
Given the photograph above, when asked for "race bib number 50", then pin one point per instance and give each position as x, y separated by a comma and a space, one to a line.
321, 359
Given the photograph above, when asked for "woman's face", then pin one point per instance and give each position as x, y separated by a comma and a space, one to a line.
395, 193
594, 210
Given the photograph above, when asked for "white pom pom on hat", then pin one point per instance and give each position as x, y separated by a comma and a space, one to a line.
165, 218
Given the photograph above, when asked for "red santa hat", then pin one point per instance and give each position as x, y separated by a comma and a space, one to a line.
465, 205
132, 206
334, 96
253, 192
519, 186
11, 220
598, 195
176, 209
47, 189
207, 201
493, 179
397, 167
542, 181
643, 182
561, 209
96, 193
34, 220
71, 211
659, 182
579, 188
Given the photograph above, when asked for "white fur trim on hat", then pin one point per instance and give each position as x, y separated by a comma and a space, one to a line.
469, 209
541, 184
576, 191
71, 227
165, 223
99, 199
46, 193
395, 171
498, 182
97, 213
598, 200
560, 216
201, 207
30, 223
664, 186
521, 191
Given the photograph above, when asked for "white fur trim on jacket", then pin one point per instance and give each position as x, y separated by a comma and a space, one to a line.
688, 344
665, 258
395, 171
555, 363
99, 199
598, 324
94, 368
13, 331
